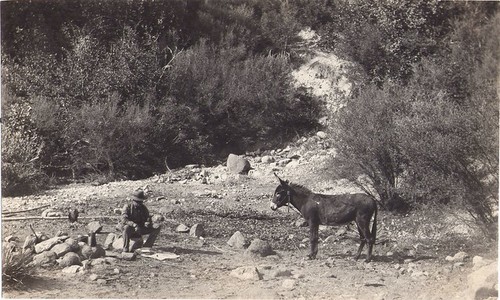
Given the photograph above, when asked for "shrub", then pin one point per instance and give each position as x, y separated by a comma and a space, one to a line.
21, 148
16, 267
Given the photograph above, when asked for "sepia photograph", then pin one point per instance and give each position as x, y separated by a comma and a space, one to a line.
249, 149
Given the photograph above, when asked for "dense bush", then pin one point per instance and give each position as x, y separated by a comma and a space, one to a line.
434, 140
128, 105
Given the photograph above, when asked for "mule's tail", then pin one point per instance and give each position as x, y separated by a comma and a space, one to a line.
374, 226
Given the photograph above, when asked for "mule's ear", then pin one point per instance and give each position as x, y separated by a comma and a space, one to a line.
281, 180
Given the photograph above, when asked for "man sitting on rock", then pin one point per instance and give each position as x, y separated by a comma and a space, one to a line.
137, 222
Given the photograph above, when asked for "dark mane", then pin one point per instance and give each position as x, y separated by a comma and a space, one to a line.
300, 189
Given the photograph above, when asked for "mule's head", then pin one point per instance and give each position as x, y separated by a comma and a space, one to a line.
281, 195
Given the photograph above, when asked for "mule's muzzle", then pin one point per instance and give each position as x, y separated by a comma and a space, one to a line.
274, 206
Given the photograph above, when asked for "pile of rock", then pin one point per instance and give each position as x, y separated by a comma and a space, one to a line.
73, 254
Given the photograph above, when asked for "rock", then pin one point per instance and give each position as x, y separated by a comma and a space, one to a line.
246, 273
72, 269
70, 259
118, 243
329, 239
108, 243
73, 244
182, 228
61, 249
48, 244
289, 283
449, 258
267, 159
259, 247
460, 256
93, 277
46, 258
94, 227
341, 231
321, 134
197, 230
128, 256
92, 252
117, 211
101, 281
237, 240
300, 223
237, 164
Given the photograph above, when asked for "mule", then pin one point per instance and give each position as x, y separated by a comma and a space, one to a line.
321, 209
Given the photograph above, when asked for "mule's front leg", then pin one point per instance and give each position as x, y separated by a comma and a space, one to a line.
313, 239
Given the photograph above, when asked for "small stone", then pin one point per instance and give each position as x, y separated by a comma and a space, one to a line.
117, 211
102, 281
197, 230
330, 239
71, 269
128, 256
237, 240
182, 228
460, 256
116, 271
341, 231
321, 134
266, 159
118, 243
94, 227
289, 283
93, 277
246, 273
300, 223
260, 248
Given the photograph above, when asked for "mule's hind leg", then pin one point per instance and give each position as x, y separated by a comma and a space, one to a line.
364, 229
362, 242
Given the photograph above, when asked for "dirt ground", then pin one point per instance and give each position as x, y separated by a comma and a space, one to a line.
417, 268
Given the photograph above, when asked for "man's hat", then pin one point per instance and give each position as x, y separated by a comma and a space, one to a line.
138, 196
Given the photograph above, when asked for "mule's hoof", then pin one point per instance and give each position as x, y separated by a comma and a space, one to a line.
311, 257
